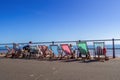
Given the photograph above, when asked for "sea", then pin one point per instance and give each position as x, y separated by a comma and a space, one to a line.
90, 47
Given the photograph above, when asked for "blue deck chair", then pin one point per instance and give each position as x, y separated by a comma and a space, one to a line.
56, 51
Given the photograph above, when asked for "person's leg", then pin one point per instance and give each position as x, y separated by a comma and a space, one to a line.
98, 56
88, 55
80, 55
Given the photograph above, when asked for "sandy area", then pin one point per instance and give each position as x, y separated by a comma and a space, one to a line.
20, 69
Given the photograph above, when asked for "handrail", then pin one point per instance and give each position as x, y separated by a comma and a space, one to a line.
58, 42
63, 41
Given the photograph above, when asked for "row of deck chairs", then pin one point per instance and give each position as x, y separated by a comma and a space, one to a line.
64, 51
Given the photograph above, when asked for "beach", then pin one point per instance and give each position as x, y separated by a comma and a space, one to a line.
21, 69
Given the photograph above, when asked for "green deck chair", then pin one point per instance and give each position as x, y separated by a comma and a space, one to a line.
83, 49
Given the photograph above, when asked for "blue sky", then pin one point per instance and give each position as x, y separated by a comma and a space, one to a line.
56, 20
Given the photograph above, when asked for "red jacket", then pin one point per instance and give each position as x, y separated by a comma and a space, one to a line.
104, 51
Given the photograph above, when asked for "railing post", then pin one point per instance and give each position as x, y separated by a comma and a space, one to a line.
52, 42
79, 41
113, 42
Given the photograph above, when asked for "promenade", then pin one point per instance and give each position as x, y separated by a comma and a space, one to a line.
20, 69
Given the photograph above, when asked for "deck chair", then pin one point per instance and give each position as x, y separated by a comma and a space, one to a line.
83, 49
56, 51
46, 53
67, 50
43, 49
26, 51
10, 52
33, 51
99, 51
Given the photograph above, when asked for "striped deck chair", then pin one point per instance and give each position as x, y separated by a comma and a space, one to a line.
83, 49
99, 50
56, 51
45, 51
67, 50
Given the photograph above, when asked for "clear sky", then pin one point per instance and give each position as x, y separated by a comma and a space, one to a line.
55, 20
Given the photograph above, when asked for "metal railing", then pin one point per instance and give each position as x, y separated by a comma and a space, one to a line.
112, 43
